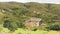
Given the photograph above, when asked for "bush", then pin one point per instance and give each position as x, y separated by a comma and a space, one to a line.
12, 26
54, 27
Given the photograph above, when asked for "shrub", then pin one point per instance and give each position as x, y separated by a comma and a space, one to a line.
10, 25
54, 27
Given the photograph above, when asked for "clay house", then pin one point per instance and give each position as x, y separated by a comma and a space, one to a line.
33, 22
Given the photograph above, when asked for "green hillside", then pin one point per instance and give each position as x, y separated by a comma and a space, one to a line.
13, 14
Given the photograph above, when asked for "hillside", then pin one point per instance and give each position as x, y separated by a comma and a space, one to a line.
13, 13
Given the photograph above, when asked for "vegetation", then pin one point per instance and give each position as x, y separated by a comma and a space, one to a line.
54, 27
13, 14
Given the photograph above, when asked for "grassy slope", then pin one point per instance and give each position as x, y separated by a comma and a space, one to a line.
35, 32
39, 7
22, 31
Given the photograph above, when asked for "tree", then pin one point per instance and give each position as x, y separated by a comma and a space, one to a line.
12, 26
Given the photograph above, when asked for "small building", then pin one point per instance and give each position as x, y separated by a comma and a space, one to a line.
33, 22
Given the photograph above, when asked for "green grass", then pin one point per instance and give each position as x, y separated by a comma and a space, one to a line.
22, 31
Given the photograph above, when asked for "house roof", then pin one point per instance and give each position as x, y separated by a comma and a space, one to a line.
33, 19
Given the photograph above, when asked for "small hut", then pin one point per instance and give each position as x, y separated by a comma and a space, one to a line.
33, 22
